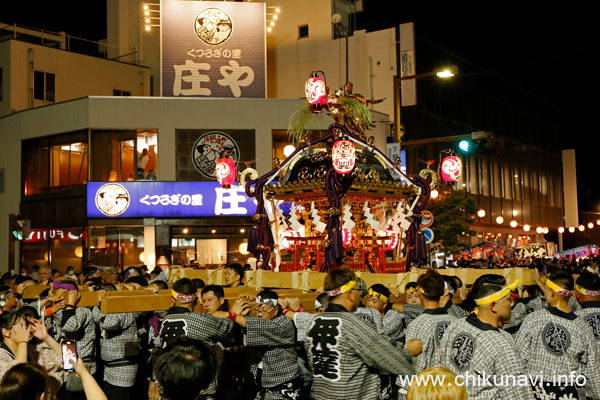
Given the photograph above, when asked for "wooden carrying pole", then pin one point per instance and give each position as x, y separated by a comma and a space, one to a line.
299, 284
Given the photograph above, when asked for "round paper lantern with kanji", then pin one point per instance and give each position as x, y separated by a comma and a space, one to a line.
343, 156
392, 241
451, 169
316, 91
225, 172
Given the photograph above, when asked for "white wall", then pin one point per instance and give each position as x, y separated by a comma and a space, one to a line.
372, 56
76, 75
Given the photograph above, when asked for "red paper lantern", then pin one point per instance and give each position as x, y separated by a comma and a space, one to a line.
225, 172
316, 91
343, 156
451, 168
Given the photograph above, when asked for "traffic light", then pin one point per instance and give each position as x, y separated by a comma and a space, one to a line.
481, 142
19, 227
466, 146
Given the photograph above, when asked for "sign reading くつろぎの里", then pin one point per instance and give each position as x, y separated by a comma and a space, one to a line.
166, 199
213, 49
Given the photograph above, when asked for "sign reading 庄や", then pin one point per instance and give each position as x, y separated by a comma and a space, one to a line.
166, 199
213, 49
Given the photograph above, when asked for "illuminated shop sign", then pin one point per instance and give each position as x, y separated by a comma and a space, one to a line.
166, 199
42, 235
578, 252
213, 49
532, 250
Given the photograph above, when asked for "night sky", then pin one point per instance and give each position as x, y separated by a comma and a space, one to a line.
548, 51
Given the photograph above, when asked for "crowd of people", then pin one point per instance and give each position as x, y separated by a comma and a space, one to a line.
569, 263
502, 341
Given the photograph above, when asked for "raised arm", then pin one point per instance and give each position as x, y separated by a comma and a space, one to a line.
90, 386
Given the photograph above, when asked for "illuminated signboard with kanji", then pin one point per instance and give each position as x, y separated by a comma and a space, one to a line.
166, 199
213, 49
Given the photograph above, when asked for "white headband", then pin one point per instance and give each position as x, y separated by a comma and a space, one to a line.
446, 286
270, 302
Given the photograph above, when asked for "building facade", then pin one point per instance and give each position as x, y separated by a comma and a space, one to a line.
60, 155
60, 133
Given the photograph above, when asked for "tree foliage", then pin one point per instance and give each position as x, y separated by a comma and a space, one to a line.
452, 215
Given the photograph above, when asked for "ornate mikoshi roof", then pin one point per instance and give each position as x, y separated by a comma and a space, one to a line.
305, 179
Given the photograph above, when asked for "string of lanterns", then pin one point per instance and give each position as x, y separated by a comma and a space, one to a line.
561, 229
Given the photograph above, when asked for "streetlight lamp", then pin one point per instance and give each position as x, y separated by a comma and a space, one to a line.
445, 72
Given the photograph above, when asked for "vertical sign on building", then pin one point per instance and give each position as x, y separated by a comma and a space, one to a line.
407, 64
213, 49
392, 152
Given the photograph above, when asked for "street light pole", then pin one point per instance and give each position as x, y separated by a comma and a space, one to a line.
440, 73
346, 34
335, 20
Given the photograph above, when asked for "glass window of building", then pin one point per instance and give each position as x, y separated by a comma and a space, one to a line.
517, 182
543, 189
54, 164
507, 187
497, 179
110, 245
56, 248
44, 87
473, 181
535, 188
210, 246
125, 155
526, 186
484, 177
